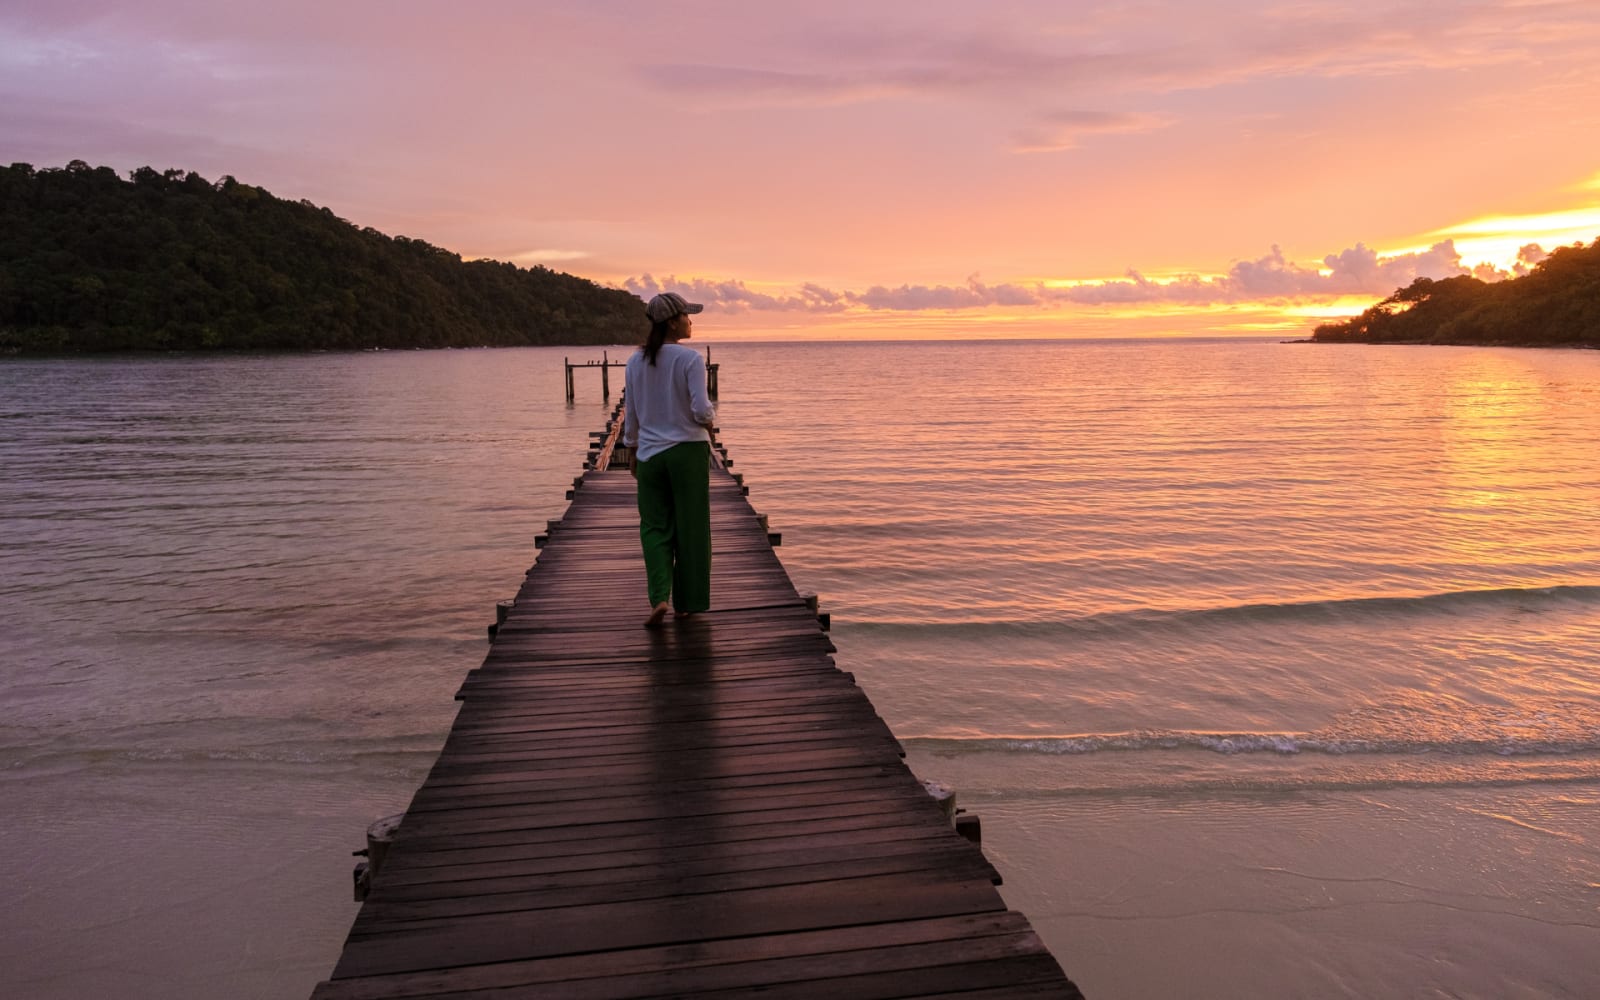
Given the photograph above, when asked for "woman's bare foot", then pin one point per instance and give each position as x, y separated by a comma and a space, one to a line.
657, 613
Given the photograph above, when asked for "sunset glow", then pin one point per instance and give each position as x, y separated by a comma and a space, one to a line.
1018, 168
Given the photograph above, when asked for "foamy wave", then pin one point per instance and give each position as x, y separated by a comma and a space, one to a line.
1343, 611
1262, 743
394, 757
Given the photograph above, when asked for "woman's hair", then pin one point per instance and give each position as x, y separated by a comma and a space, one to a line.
658, 336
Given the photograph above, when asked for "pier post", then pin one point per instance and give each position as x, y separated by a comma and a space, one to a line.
380, 834
605, 364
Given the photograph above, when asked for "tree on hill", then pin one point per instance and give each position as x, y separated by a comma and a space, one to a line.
171, 261
1557, 304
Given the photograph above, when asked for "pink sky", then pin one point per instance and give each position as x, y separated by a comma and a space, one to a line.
884, 169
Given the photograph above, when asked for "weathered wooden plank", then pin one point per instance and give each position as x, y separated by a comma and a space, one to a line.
506, 937
665, 834
668, 741
679, 806
843, 780
644, 773
885, 972
615, 963
536, 728
662, 882
531, 715
665, 697
455, 882
523, 858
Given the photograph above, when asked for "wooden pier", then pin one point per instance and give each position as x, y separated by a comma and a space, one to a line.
605, 364
711, 808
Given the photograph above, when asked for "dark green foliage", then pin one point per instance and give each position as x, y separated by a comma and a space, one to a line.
171, 261
1557, 304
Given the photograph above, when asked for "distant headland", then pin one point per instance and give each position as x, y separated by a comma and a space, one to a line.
1557, 304
168, 260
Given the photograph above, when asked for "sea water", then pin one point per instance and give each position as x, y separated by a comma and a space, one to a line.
1271, 670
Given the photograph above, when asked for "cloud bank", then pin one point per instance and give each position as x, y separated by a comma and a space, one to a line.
1268, 279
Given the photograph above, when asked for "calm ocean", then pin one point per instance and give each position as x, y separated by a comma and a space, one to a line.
1272, 670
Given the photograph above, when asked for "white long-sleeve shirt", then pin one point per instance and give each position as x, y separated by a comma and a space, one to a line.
667, 401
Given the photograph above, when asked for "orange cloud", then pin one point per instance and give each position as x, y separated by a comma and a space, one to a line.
1271, 278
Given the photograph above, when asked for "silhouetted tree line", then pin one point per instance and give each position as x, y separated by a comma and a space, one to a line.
1557, 304
171, 261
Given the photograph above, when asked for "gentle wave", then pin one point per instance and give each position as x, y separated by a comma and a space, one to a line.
1363, 775
387, 755
1266, 743
1343, 611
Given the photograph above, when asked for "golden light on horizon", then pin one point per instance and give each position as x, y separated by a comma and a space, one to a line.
1149, 277
1548, 223
1338, 308
1498, 239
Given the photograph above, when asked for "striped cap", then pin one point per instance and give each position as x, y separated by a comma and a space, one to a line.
669, 304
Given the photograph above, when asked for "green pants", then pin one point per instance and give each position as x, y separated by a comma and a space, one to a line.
675, 525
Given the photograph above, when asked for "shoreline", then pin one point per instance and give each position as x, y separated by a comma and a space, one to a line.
1583, 346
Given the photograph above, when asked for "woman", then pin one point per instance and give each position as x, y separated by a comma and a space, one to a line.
668, 423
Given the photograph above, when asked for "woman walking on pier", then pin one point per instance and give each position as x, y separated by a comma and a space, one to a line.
668, 424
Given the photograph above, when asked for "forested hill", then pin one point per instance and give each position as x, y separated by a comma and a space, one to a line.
1557, 304
171, 261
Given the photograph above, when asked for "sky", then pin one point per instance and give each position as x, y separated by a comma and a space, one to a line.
872, 169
